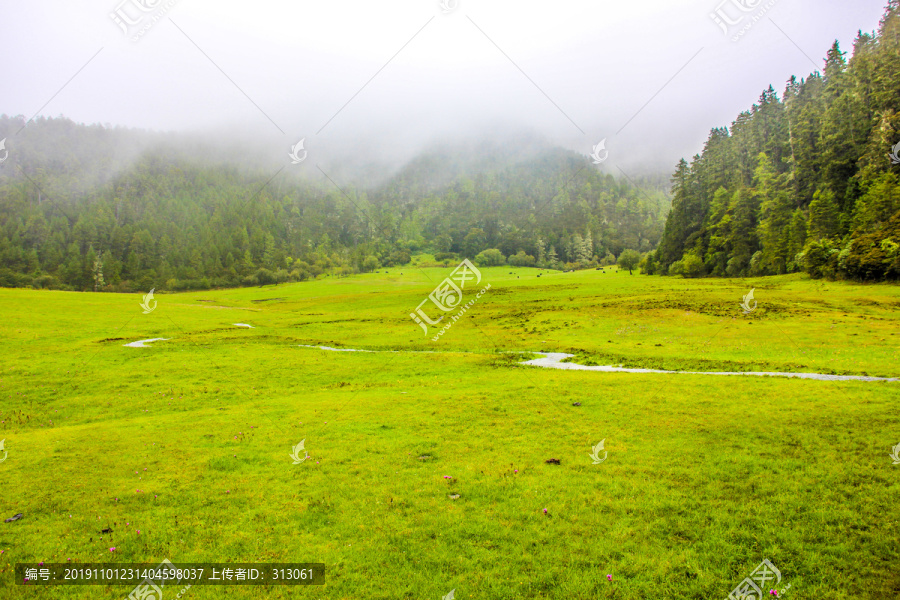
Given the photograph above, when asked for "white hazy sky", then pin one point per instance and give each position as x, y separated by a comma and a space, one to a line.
281, 70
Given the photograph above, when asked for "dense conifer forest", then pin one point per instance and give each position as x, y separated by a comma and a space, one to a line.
801, 182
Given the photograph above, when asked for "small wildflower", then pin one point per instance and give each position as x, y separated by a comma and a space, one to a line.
545, 511
609, 577
112, 549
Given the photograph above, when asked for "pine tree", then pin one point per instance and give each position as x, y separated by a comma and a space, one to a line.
587, 248
97, 273
775, 216
796, 240
89, 269
823, 216
552, 258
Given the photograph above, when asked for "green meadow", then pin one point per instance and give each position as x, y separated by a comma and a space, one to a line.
427, 469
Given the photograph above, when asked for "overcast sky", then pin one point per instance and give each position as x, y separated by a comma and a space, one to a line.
387, 78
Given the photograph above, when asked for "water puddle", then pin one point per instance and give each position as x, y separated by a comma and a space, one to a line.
142, 343
553, 360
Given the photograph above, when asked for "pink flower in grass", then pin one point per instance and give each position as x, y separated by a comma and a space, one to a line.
112, 549
609, 577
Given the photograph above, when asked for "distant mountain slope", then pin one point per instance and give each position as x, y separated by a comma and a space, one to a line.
88, 207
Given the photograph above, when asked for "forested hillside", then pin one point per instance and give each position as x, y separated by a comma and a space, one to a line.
100, 208
799, 183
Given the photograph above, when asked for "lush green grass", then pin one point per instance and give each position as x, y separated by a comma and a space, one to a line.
705, 476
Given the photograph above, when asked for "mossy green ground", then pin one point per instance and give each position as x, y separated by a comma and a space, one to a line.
705, 477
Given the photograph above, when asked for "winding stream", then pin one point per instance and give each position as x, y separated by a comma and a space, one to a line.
553, 360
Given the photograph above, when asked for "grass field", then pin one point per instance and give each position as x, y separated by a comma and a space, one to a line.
705, 476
